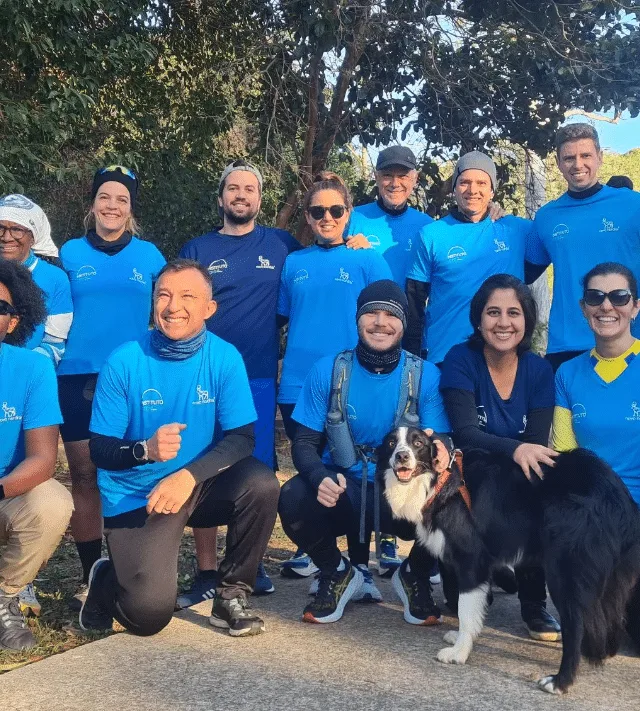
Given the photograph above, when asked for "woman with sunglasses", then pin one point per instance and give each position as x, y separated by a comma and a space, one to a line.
598, 392
25, 237
111, 272
34, 508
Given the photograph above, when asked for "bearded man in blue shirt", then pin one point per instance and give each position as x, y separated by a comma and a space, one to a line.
172, 437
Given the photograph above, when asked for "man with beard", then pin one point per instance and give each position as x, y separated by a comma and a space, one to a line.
245, 260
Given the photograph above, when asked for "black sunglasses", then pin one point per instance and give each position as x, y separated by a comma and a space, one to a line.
6, 309
617, 297
318, 211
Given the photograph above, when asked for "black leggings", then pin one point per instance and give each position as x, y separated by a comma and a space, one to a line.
314, 527
140, 587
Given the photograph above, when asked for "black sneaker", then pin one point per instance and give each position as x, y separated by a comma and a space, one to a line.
79, 596
415, 594
334, 592
236, 616
540, 624
93, 616
14, 633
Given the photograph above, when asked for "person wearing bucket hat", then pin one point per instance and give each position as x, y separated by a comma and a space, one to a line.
111, 272
329, 495
455, 255
25, 237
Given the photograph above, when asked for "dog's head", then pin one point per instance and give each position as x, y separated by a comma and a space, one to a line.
408, 452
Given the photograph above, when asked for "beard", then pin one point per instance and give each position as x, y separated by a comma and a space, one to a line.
239, 219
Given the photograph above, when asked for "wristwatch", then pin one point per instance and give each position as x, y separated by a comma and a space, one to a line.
140, 451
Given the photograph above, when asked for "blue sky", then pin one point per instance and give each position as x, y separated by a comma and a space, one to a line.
620, 137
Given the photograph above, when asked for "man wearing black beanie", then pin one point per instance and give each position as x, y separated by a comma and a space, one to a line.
328, 497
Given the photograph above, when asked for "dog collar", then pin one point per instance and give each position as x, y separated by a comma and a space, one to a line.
443, 478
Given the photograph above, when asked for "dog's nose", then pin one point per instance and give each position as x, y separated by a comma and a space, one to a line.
402, 457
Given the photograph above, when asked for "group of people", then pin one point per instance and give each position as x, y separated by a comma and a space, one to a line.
393, 318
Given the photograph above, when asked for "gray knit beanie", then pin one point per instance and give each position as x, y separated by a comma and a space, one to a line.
239, 165
478, 161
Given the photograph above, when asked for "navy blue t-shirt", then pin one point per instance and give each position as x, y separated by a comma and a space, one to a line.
246, 278
466, 369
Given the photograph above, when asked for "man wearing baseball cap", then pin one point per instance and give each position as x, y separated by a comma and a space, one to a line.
455, 255
245, 260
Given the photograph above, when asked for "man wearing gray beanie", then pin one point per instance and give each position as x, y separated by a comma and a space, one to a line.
456, 254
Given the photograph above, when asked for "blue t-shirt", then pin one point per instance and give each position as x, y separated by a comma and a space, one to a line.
28, 400
57, 291
391, 235
466, 369
319, 292
246, 277
575, 235
605, 416
137, 392
371, 406
455, 258
111, 300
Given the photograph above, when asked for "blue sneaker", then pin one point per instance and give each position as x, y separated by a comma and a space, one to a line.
202, 588
299, 565
368, 591
263, 585
388, 562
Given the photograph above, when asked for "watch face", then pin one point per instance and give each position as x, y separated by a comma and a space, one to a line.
138, 451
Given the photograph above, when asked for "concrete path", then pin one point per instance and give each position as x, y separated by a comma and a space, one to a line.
369, 660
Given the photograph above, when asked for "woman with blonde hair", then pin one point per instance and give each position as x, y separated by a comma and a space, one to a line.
111, 271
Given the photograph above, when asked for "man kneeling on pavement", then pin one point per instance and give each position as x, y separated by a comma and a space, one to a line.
352, 402
172, 437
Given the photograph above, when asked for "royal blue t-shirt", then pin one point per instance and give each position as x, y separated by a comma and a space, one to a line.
246, 277
138, 392
371, 406
575, 235
466, 369
319, 292
28, 400
605, 416
391, 235
455, 258
57, 291
111, 300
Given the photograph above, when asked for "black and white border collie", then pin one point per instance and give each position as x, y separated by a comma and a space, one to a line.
579, 523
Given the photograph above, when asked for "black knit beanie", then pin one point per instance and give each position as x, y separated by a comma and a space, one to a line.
117, 174
384, 295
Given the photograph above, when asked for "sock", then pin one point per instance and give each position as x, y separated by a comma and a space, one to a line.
89, 552
207, 574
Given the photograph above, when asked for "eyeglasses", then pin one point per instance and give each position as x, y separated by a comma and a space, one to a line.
617, 297
17, 233
118, 169
6, 309
317, 212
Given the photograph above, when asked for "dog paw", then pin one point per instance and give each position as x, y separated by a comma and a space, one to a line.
450, 637
548, 684
451, 655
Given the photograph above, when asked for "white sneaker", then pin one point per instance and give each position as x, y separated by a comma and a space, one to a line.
368, 592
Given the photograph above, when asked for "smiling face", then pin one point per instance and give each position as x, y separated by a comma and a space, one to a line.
16, 244
241, 198
111, 208
8, 322
182, 302
473, 193
502, 323
608, 322
395, 185
408, 451
328, 229
579, 162
380, 330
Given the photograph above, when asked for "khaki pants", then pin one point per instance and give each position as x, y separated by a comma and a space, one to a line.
31, 526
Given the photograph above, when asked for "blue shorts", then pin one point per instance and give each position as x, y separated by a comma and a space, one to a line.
264, 400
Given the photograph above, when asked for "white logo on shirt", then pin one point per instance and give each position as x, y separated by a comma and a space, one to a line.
9, 414
152, 399
300, 275
500, 246
409, 245
217, 266
137, 277
608, 226
560, 231
636, 412
344, 277
86, 272
578, 411
264, 263
373, 240
203, 397
482, 416
456, 253
524, 424
351, 412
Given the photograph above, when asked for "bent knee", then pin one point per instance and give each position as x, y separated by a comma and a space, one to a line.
261, 481
145, 616
49, 506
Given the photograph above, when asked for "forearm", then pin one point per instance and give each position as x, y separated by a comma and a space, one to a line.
113, 453
538, 426
306, 453
417, 295
32, 471
235, 445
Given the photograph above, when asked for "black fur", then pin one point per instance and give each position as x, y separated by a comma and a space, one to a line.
580, 523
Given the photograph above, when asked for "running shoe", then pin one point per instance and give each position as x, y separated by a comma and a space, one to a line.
202, 588
299, 565
14, 633
80, 595
369, 590
415, 594
540, 623
236, 616
263, 585
388, 562
334, 592
93, 615
29, 603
